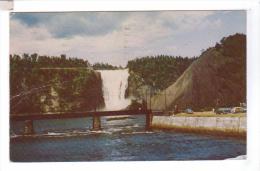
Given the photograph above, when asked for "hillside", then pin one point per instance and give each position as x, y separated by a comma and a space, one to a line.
42, 84
219, 74
154, 72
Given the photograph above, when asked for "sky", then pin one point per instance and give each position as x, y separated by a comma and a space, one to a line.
116, 37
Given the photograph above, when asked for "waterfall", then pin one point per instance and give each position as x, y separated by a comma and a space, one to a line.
114, 86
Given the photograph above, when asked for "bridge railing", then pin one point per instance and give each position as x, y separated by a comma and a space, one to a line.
96, 124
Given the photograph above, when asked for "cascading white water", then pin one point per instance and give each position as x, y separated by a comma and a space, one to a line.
114, 86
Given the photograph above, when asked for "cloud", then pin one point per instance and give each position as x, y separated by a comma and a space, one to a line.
116, 37
70, 24
62, 25
187, 21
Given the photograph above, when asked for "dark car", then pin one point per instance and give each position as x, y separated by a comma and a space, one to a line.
223, 110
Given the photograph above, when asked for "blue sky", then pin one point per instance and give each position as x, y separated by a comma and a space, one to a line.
116, 37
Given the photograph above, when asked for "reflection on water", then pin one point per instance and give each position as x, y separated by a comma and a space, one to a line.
119, 140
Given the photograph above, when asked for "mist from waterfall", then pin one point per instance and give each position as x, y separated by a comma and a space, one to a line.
114, 86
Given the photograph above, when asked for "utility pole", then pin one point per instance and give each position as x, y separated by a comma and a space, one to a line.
146, 98
165, 100
150, 99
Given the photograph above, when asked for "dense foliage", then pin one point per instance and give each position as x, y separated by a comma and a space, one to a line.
216, 79
231, 70
105, 66
159, 71
53, 84
36, 61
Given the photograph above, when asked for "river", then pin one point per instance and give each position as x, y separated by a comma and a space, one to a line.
121, 138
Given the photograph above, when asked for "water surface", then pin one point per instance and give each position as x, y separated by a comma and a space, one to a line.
119, 140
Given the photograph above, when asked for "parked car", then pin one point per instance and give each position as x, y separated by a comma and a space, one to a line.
223, 110
238, 110
188, 110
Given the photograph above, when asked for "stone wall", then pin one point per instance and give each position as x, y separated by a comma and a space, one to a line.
235, 125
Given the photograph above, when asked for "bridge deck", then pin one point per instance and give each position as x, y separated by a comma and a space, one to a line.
66, 115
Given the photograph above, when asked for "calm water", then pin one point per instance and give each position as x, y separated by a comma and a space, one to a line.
119, 140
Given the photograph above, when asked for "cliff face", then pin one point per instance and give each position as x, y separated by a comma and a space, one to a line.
59, 90
219, 74
136, 88
154, 73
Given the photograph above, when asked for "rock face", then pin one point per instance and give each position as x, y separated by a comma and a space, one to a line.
65, 89
154, 73
136, 88
217, 77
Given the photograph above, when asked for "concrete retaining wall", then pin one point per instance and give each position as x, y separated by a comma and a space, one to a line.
220, 124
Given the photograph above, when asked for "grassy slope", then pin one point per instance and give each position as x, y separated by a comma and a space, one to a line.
219, 73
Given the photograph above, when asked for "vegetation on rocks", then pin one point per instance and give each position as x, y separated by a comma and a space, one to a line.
41, 84
154, 73
216, 78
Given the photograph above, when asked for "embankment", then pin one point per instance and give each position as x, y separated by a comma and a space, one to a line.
233, 126
48, 90
217, 77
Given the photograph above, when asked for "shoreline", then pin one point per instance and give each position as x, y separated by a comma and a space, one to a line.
224, 126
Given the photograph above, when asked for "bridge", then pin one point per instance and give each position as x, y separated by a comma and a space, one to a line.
96, 123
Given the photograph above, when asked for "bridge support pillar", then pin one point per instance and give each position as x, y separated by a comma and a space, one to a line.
96, 123
28, 127
149, 118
